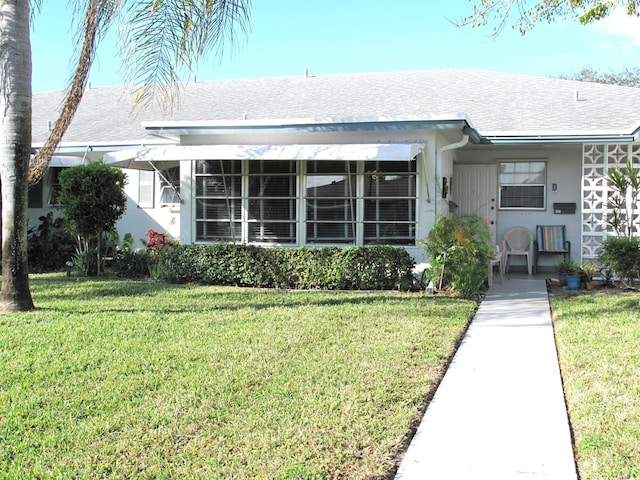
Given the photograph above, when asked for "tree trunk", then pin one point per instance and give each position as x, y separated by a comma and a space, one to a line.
15, 150
98, 253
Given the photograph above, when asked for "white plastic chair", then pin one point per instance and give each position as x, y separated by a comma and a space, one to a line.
518, 241
496, 259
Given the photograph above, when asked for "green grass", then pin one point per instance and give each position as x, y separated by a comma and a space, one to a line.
125, 379
598, 339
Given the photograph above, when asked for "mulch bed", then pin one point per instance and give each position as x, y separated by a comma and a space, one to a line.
555, 287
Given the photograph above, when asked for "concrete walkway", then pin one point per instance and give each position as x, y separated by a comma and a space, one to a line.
499, 412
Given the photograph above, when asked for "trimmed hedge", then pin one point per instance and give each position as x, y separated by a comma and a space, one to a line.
347, 268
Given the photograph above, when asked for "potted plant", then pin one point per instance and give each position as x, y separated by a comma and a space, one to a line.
589, 270
569, 270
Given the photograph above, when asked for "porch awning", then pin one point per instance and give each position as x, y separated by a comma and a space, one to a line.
393, 152
126, 159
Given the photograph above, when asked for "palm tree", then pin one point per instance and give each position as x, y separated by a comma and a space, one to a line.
161, 38
15, 149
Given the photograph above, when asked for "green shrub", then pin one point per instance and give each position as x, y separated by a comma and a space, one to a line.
178, 264
219, 264
139, 263
621, 256
353, 268
376, 268
459, 248
49, 245
131, 263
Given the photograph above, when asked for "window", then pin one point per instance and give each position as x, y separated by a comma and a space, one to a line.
389, 203
330, 197
219, 200
55, 187
272, 209
522, 185
35, 195
146, 180
170, 186
306, 202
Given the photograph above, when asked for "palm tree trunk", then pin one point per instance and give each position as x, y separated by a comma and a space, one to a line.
15, 150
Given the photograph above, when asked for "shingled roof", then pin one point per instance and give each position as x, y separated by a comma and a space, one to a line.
501, 104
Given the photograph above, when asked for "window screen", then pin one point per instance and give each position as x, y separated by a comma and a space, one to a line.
145, 188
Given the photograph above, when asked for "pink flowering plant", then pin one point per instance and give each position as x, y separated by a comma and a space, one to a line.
157, 243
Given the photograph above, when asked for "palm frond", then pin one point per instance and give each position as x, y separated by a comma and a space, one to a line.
165, 38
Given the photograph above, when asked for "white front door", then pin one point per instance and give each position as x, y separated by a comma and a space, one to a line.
475, 190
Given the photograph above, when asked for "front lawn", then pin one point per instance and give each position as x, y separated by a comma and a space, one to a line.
598, 339
126, 379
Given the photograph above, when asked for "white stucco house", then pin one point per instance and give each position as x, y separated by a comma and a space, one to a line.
355, 159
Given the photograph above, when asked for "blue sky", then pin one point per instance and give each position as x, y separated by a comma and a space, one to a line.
345, 36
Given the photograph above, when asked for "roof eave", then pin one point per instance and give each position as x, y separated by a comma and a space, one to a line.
531, 138
80, 148
325, 125
560, 139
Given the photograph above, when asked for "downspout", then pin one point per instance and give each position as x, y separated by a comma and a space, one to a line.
452, 146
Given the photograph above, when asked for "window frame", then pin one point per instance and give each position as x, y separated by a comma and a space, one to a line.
345, 200
379, 204
543, 185
250, 200
170, 184
358, 171
220, 190
54, 186
144, 185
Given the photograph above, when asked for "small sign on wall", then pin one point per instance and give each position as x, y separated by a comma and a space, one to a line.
564, 208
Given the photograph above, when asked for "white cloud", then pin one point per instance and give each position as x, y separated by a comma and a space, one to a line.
620, 24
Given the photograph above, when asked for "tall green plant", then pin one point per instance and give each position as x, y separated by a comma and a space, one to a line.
621, 256
624, 183
459, 248
93, 200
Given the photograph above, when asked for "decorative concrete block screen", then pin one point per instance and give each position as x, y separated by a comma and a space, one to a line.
597, 159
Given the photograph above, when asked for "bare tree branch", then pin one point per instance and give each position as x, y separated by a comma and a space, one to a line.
527, 13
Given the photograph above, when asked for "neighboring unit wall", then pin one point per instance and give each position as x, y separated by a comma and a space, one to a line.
138, 220
597, 160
